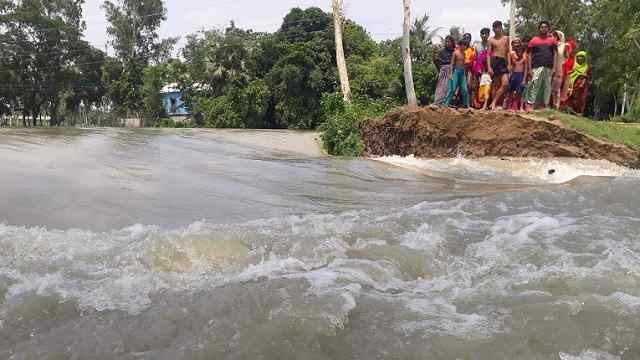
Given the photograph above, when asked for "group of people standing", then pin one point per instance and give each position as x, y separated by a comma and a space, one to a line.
514, 74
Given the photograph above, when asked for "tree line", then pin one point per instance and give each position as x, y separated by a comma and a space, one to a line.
238, 77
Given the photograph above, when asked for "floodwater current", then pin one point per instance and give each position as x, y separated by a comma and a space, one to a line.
194, 244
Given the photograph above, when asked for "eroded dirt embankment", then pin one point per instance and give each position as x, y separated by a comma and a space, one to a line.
441, 133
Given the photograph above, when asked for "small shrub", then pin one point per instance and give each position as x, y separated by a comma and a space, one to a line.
220, 112
341, 133
166, 123
170, 123
633, 116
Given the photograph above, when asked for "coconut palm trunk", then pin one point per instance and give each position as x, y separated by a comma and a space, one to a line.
406, 56
342, 64
512, 23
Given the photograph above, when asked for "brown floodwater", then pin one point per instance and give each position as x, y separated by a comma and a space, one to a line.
195, 244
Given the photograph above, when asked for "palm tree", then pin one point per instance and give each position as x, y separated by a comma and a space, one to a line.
406, 56
422, 38
456, 33
421, 31
340, 60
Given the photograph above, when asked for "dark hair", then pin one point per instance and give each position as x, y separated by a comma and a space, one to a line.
449, 38
485, 31
463, 42
497, 23
467, 34
544, 22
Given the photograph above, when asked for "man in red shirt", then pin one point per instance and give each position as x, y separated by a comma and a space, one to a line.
543, 50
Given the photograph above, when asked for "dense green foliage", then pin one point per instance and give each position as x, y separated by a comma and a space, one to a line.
133, 33
633, 116
341, 133
154, 80
45, 65
239, 78
170, 123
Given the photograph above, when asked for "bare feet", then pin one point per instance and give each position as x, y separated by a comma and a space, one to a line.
528, 107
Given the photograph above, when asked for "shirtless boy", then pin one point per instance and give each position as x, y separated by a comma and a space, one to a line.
458, 75
499, 63
518, 75
470, 58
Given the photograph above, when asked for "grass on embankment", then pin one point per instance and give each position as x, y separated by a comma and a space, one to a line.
627, 134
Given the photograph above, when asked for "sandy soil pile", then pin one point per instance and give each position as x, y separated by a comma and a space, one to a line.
440, 133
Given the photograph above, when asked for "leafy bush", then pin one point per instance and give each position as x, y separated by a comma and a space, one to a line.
220, 112
153, 109
170, 123
240, 107
341, 133
633, 116
298, 81
165, 123
377, 77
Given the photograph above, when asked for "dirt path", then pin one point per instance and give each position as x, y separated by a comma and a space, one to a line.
442, 133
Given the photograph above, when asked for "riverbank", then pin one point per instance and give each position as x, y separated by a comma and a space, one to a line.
445, 133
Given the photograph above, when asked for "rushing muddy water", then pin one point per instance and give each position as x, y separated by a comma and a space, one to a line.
121, 244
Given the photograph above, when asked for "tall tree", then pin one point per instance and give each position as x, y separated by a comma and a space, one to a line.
87, 88
338, 20
154, 80
133, 33
613, 45
566, 15
422, 39
406, 55
40, 51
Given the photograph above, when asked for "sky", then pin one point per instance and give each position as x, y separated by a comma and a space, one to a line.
382, 18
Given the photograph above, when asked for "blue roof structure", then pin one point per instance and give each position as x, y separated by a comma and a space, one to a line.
172, 101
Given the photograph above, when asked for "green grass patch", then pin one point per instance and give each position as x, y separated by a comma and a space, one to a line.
605, 130
170, 123
341, 134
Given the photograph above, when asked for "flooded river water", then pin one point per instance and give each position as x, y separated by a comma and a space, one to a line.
193, 244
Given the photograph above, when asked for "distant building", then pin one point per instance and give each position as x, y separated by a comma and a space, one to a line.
172, 102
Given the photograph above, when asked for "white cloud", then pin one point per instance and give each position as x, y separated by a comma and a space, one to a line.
382, 18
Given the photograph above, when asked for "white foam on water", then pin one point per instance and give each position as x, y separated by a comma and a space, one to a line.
497, 170
589, 355
463, 269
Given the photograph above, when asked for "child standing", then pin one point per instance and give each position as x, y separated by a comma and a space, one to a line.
458, 74
518, 75
470, 56
480, 66
484, 91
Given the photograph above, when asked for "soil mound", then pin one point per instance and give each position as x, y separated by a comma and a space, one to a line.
440, 133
